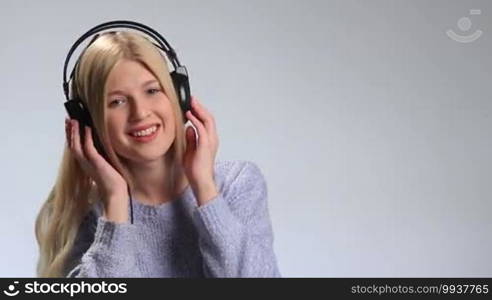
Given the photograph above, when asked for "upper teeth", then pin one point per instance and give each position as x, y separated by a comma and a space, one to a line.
145, 132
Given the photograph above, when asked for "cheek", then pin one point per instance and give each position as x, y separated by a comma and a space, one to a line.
113, 128
168, 118
171, 122
171, 130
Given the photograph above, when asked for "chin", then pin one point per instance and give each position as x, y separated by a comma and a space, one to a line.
147, 155
143, 158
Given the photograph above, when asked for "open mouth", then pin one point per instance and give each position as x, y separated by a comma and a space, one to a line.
146, 135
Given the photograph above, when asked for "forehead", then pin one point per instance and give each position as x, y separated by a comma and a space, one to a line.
128, 74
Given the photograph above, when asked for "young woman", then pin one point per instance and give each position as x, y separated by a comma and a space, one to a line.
193, 216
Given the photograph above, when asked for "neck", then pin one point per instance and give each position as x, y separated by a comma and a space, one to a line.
152, 181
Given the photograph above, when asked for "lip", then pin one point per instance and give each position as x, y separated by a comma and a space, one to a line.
148, 138
142, 127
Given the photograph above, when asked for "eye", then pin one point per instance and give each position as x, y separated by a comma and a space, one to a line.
116, 102
153, 91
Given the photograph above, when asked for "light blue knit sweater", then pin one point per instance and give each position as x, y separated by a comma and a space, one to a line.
231, 236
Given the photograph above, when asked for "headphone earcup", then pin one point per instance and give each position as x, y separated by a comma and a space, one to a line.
78, 111
182, 86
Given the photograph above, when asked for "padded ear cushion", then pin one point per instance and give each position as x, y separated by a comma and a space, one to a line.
77, 110
182, 86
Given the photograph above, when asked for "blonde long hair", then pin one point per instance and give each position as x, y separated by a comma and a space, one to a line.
74, 192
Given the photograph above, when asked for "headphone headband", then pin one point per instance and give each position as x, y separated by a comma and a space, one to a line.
162, 44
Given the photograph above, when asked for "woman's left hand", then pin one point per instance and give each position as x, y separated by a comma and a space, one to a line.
199, 157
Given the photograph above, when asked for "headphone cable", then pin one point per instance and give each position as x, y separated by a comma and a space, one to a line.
131, 203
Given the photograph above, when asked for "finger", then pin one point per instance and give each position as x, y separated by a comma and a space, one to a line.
202, 132
76, 143
89, 147
203, 114
190, 138
67, 132
208, 120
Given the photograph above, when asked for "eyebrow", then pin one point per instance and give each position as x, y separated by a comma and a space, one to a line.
143, 84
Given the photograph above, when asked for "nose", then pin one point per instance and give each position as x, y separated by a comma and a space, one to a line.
139, 110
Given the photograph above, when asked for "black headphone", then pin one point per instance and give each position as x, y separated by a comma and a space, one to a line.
76, 108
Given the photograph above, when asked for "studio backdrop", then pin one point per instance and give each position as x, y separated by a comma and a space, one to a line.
370, 120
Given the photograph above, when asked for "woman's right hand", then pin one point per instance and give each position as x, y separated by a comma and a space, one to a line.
110, 183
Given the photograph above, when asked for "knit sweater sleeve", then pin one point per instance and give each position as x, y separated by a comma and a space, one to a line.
103, 249
235, 231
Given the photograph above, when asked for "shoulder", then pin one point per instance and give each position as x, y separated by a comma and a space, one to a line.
237, 171
239, 177
234, 167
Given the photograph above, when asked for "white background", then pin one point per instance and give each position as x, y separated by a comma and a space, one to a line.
370, 124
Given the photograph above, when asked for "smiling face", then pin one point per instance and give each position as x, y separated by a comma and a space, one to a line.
139, 117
